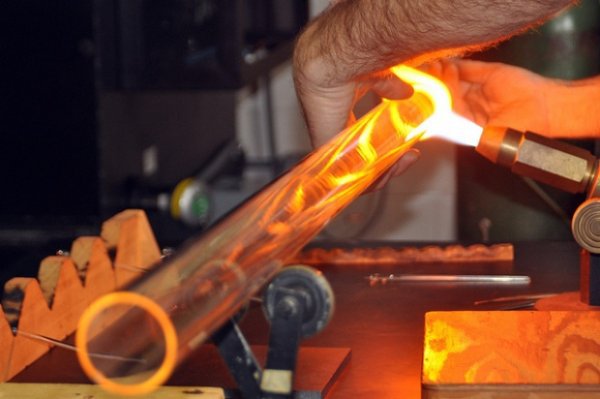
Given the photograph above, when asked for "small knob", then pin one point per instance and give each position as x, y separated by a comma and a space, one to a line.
586, 225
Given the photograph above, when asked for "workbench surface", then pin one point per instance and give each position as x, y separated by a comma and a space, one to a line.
383, 325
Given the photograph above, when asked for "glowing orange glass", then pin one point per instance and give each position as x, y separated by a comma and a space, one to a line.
208, 280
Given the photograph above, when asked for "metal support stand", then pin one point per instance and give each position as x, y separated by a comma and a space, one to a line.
586, 231
590, 278
240, 360
298, 303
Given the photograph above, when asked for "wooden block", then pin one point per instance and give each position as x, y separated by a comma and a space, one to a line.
6, 342
82, 391
129, 232
64, 300
406, 255
64, 292
51, 306
493, 354
37, 321
93, 264
565, 301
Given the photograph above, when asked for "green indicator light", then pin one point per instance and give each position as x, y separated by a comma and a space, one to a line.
200, 206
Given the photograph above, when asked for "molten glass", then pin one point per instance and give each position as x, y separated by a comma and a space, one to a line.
129, 342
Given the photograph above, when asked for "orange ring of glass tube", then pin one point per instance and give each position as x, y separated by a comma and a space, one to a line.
127, 298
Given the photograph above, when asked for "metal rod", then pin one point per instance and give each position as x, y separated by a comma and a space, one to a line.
451, 278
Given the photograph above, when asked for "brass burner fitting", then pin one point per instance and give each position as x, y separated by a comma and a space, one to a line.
548, 161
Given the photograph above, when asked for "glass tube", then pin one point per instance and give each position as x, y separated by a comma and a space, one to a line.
130, 341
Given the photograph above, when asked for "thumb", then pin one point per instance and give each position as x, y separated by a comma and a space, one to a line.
410, 157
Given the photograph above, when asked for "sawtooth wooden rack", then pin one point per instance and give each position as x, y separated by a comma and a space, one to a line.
51, 304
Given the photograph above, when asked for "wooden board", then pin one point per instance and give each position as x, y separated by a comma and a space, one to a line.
566, 301
406, 255
50, 306
82, 391
512, 354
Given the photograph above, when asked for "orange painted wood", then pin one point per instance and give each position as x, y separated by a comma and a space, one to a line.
94, 265
564, 301
15, 390
129, 232
525, 392
35, 318
63, 290
485, 354
407, 255
6, 343
50, 306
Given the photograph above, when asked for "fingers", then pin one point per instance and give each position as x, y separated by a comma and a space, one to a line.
410, 157
443, 69
328, 110
433, 68
480, 71
476, 106
390, 87
459, 69
447, 70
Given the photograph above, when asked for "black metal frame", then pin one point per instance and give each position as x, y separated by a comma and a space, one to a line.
296, 308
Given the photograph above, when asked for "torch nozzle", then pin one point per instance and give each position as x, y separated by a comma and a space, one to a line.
548, 161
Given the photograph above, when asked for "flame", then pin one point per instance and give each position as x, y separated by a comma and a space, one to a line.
443, 123
435, 89
455, 128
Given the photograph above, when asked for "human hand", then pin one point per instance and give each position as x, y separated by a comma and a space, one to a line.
498, 94
328, 104
406, 160
328, 89
328, 109
345, 48
328, 92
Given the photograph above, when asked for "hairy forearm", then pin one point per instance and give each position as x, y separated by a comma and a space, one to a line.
358, 37
575, 108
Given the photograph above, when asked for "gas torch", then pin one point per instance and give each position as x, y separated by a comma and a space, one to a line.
566, 167
552, 162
